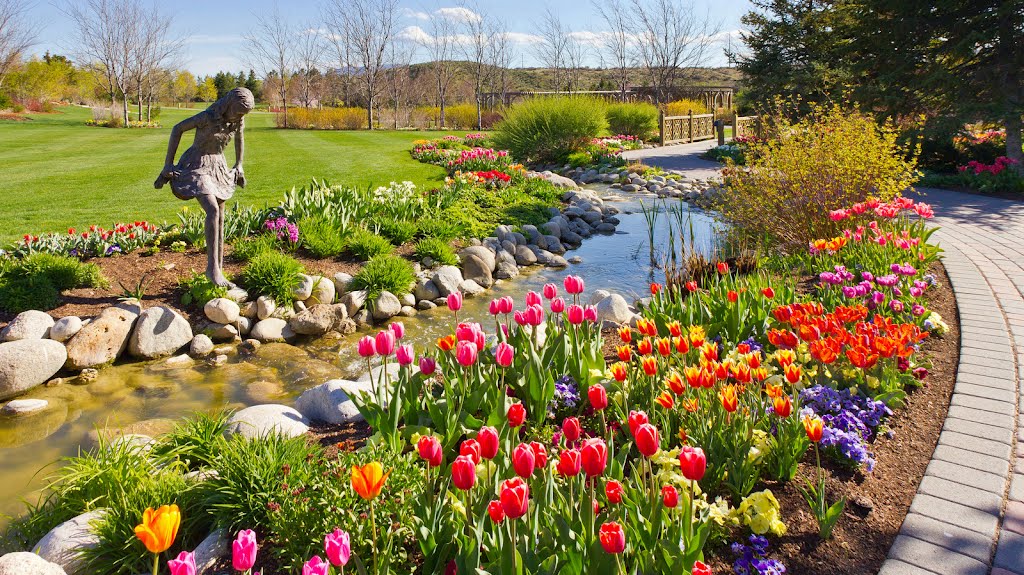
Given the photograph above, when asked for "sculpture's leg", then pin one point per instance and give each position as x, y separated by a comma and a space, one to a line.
220, 235
213, 244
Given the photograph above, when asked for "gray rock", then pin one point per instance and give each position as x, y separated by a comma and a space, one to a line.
559, 181
575, 260
65, 328
554, 245
407, 311
272, 329
201, 346
248, 310
593, 216
27, 363
64, 542
485, 254
407, 299
244, 325
262, 420
478, 270
24, 563
216, 546
615, 309
605, 228
329, 403
507, 267
386, 306
317, 320
323, 291
180, 361
24, 406
237, 295
597, 295
345, 326
222, 310
525, 256
353, 301
425, 304
362, 317
553, 229
447, 279
304, 289
557, 261
159, 331
531, 232
299, 306
630, 188
470, 288
265, 307
31, 324
222, 332
426, 290
427, 262
543, 256
104, 338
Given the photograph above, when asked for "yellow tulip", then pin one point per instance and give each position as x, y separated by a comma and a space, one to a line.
159, 528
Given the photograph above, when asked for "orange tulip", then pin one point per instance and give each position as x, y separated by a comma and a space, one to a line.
782, 406
741, 373
446, 343
624, 352
675, 382
619, 371
645, 346
697, 336
666, 400
691, 404
675, 329
681, 345
664, 346
692, 373
792, 373
650, 365
709, 352
647, 327
754, 360
785, 357
159, 528
760, 374
813, 427
369, 479
729, 400
773, 391
625, 334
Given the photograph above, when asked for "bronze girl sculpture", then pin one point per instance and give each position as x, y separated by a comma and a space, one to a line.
202, 171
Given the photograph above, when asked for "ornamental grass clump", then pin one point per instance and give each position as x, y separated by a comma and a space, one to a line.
385, 273
367, 245
546, 129
272, 274
638, 119
36, 281
805, 169
321, 238
438, 250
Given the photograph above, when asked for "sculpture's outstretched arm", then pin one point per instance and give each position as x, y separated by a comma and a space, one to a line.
239, 153
168, 173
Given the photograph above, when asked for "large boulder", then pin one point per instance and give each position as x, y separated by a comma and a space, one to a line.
525, 256
386, 306
615, 309
222, 310
65, 542
24, 563
507, 267
159, 331
65, 328
426, 290
211, 550
484, 253
329, 402
341, 283
478, 270
31, 324
323, 291
272, 329
27, 363
265, 307
447, 279
271, 418
316, 320
354, 300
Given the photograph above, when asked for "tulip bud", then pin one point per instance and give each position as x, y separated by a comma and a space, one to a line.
516, 415
598, 396
569, 463
488, 439
398, 328
464, 472
495, 511
524, 461
594, 456
504, 354
532, 298
506, 305
466, 353
428, 365
455, 301
550, 291
573, 285
338, 547
613, 538
405, 355
385, 342
471, 447
515, 498
571, 429
575, 314
636, 419
613, 490
430, 451
557, 305
185, 564
243, 550
647, 439
590, 314
494, 308
367, 347
692, 463
669, 496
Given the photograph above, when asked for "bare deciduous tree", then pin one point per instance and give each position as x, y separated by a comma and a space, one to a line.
501, 58
17, 34
553, 47
368, 27
440, 47
476, 47
670, 37
271, 46
310, 50
400, 57
155, 47
617, 39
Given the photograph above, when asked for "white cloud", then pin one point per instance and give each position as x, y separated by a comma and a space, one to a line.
415, 34
458, 13
415, 14
596, 39
523, 38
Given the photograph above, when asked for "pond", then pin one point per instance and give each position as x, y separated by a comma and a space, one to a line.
150, 397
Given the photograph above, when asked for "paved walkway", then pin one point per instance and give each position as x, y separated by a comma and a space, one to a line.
968, 515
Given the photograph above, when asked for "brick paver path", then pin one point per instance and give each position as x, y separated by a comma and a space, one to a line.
968, 514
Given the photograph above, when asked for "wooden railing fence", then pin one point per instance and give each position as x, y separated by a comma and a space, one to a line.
696, 127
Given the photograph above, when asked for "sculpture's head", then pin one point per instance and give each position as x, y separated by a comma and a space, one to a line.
234, 104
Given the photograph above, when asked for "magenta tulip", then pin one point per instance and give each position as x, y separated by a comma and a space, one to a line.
466, 353
550, 291
455, 301
428, 365
506, 304
557, 305
590, 314
575, 314
573, 285
366, 346
385, 342
534, 315
338, 548
185, 564
532, 298
398, 328
494, 308
405, 354
504, 354
243, 550
316, 566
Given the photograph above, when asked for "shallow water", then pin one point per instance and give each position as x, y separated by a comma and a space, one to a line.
149, 397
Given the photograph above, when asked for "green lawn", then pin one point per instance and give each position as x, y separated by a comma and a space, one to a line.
56, 172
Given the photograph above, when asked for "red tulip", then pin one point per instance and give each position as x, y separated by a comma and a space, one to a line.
723, 268
569, 463
768, 292
813, 427
471, 447
573, 284
503, 354
464, 472
598, 396
594, 456
571, 429
550, 291
516, 415
430, 450
590, 313
523, 460
691, 286
575, 314
613, 491
699, 568
655, 288
495, 511
488, 440
515, 498
692, 463
669, 496
647, 439
636, 419
540, 454
732, 296
613, 538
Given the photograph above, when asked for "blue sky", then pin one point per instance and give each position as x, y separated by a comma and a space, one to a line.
214, 29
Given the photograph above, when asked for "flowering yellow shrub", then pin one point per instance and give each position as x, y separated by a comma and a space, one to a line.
684, 106
802, 170
325, 118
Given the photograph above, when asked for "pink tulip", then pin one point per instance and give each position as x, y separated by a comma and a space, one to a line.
575, 314
428, 365
520, 317
338, 548
465, 353
503, 354
316, 566
385, 342
550, 291
573, 285
532, 298
399, 329
405, 354
185, 564
367, 347
470, 331
534, 315
506, 304
455, 301
590, 314
494, 308
557, 305
243, 550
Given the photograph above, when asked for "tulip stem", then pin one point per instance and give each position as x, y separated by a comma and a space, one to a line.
515, 568
156, 563
373, 528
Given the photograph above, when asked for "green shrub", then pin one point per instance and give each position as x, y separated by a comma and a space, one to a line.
579, 159
460, 117
545, 129
384, 273
398, 232
438, 250
320, 238
245, 249
441, 228
272, 274
196, 441
366, 245
478, 211
198, 289
35, 281
638, 119
21, 293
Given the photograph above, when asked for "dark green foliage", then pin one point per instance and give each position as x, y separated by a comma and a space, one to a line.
321, 238
198, 289
438, 250
272, 274
35, 282
546, 129
245, 249
479, 211
397, 232
638, 119
384, 273
366, 245
440, 228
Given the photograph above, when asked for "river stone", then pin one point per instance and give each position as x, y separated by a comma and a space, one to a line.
265, 307
66, 327
222, 331
25, 406
222, 310
304, 289
341, 282
426, 290
317, 320
525, 256
408, 299
614, 308
407, 311
470, 288
201, 345
261, 420
24, 563
323, 291
329, 403
211, 550
64, 542
362, 317
557, 261
27, 363
478, 270
244, 325
605, 228
447, 280
354, 300
386, 306
31, 324
272, 329
248, 310
554, 245
425, 304
482, 252
299, 306
598, 295
159, 331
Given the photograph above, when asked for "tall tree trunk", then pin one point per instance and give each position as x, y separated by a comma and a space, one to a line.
124, 102
139, 97
369, 113
1013, 140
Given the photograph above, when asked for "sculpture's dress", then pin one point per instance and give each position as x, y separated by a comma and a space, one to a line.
202, 169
